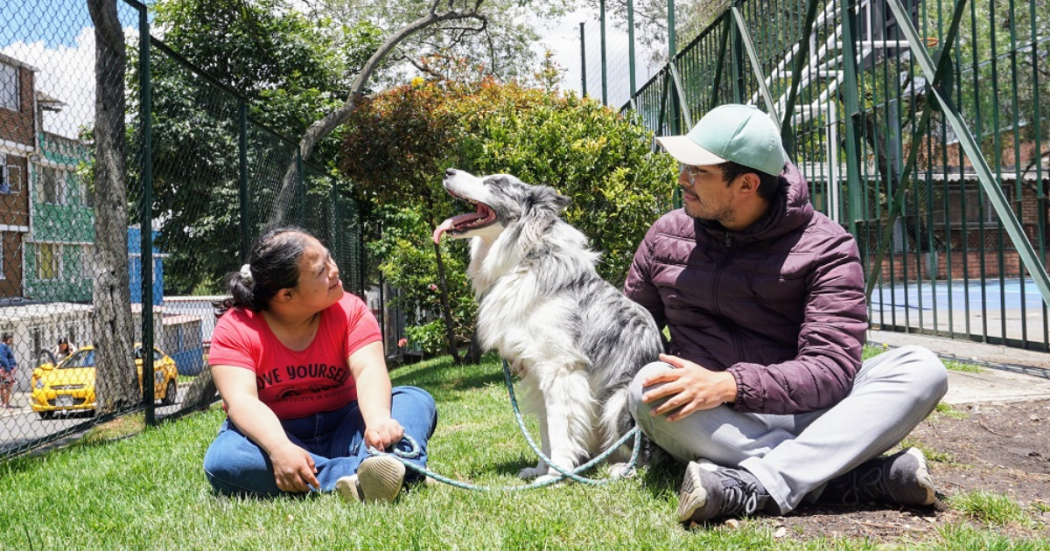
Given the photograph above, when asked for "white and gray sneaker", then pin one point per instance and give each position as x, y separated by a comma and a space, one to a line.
901, 479
378, 479
710, 491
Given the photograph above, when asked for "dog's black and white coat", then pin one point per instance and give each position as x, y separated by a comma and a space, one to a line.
575, 340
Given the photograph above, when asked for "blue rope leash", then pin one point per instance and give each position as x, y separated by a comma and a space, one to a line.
409, 449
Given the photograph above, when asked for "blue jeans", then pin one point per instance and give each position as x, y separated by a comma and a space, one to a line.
235, 465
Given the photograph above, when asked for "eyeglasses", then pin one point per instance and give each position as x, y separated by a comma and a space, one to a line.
692, 173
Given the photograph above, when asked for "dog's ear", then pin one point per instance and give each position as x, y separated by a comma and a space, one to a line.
561, 201
545, 199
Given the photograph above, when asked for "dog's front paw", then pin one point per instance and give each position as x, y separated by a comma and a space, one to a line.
533, 472
547, 478
621, 470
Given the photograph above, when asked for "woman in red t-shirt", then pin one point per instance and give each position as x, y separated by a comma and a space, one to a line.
300, 368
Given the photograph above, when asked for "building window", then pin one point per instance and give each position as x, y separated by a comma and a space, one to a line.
10, 175
52, 186
3, 253
48, 261
9, 87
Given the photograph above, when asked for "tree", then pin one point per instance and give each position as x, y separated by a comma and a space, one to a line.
289, 70
462, 10
502, 47
116, 378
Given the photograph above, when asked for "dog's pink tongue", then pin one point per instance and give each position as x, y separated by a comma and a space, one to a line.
445, 226
453, 222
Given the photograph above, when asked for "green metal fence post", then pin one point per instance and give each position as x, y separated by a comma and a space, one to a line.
738, 57
672, 49
146, 221
605, 84
672, 39
716, 82
583, 62
630, 45
850, 87
242, 143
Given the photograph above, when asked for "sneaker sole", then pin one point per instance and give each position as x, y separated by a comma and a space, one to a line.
923, 477
692, 496
348, 490
380, 479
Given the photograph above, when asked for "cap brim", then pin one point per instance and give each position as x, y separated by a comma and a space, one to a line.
686, 151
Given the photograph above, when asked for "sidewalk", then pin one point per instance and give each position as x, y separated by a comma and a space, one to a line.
1012, 375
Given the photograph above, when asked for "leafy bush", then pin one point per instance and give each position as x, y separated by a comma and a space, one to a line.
586, 151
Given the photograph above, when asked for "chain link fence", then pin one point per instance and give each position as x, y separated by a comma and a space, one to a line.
211, 175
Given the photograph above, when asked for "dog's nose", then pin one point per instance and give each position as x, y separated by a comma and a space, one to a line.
450, 172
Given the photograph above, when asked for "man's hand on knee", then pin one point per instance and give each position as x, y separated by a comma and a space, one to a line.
687, 388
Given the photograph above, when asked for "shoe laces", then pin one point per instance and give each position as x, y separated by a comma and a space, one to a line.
739, 495
867, 485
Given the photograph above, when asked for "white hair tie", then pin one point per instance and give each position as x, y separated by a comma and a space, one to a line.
246, 273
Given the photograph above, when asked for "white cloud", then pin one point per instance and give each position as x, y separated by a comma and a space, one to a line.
66, 73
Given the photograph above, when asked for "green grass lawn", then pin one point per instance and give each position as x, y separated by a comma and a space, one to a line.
149, 492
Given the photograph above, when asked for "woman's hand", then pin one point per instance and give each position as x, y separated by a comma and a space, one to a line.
384, 434
294, 469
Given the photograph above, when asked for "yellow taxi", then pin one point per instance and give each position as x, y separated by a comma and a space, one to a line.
70, 385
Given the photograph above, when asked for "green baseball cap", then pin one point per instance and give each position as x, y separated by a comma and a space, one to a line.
732, 132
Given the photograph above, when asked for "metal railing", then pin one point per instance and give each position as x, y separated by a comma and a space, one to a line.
209, 172
918, 126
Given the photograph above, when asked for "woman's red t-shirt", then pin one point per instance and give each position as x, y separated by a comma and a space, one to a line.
296, 384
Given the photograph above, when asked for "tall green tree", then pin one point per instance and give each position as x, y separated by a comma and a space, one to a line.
290, 71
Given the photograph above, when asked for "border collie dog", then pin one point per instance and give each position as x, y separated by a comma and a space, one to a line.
574, 340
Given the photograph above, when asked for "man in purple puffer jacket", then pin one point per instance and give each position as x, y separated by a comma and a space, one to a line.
762, 390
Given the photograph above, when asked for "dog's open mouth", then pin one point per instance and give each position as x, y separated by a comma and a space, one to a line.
463, 223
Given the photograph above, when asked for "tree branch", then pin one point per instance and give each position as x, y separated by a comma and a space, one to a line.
321, 128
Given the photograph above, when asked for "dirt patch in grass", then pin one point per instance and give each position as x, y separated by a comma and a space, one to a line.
1001, 449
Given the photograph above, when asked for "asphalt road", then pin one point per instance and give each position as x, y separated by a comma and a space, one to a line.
22, 425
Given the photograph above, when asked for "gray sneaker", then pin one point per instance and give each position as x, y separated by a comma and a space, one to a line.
710, 491
902, 479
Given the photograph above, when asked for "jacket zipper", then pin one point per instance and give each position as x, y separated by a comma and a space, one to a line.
718, 274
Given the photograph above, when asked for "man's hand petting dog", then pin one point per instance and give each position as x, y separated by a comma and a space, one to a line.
688, 388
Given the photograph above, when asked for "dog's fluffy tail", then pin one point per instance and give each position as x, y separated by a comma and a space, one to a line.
618, 421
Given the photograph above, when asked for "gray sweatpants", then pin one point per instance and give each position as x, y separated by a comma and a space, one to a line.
795, 455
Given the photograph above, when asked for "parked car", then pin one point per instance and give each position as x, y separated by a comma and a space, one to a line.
70, 385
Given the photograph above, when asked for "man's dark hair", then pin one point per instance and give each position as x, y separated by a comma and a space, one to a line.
6, 337
768, 184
